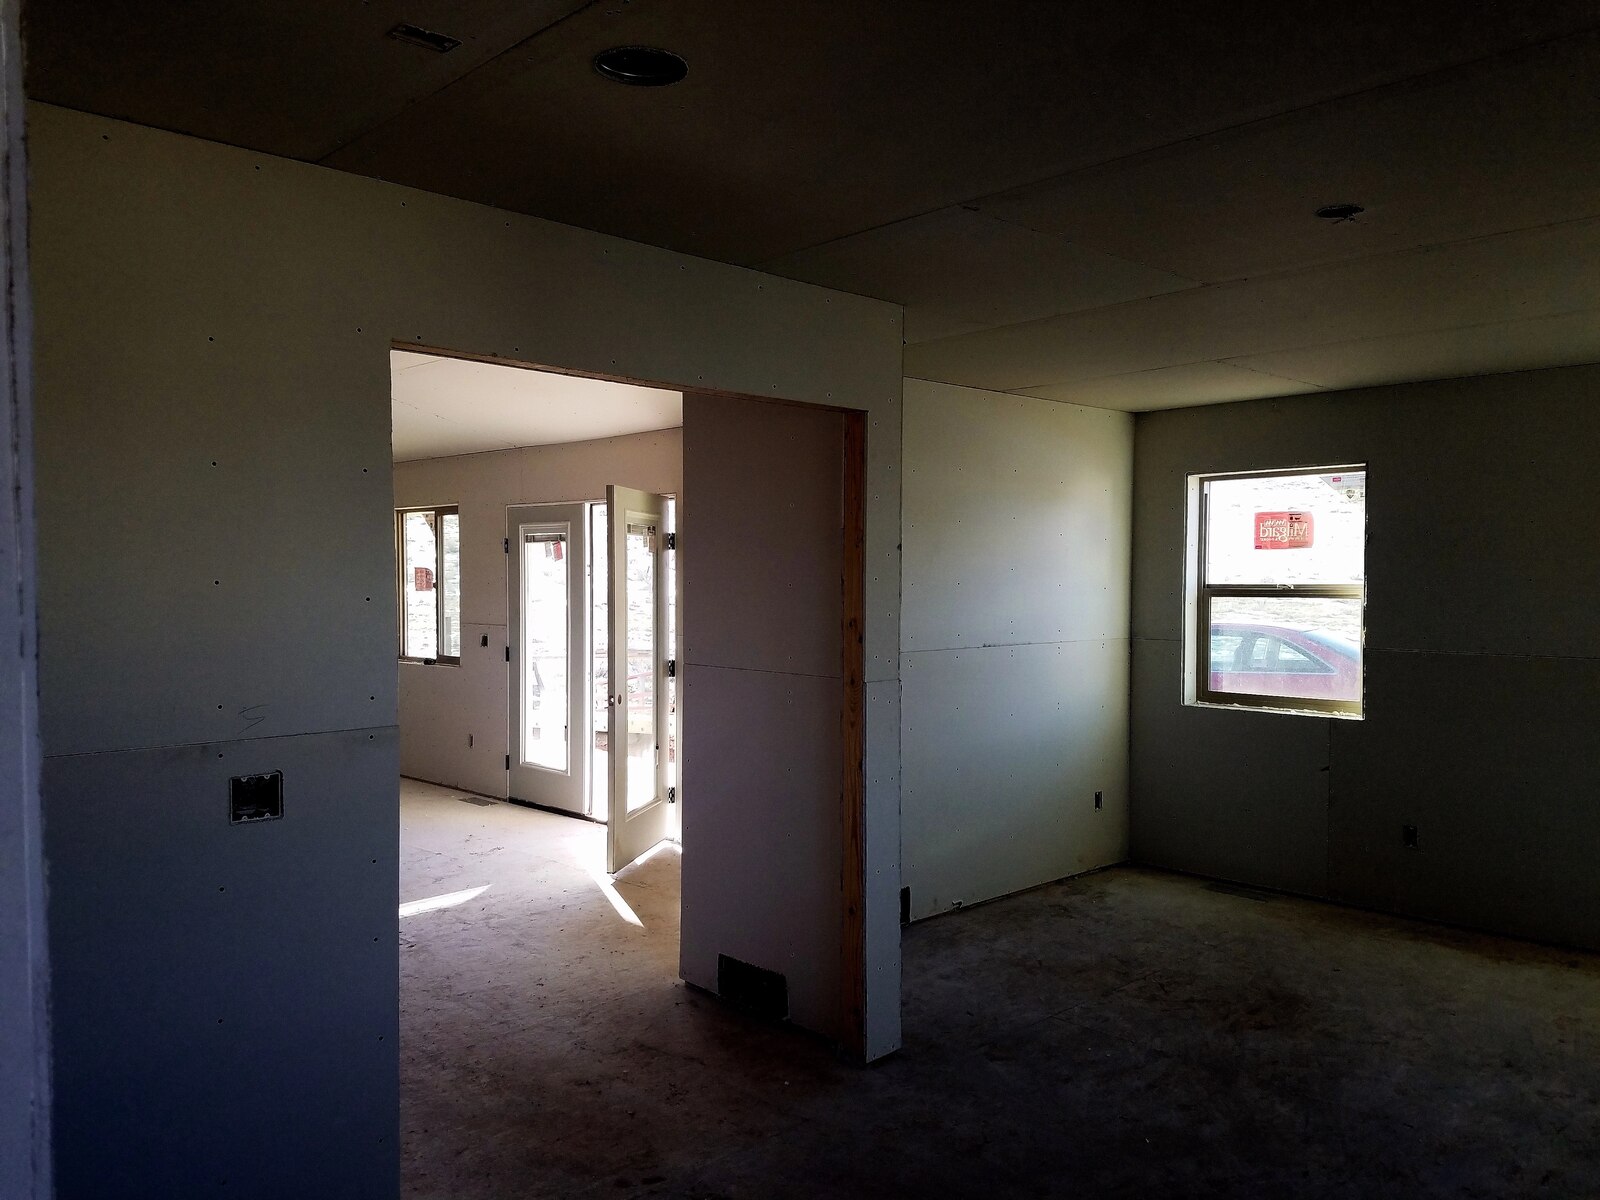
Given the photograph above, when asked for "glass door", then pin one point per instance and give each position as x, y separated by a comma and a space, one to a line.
548, 628
638, 652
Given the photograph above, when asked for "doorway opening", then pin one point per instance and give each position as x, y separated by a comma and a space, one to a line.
515, 489
539, 953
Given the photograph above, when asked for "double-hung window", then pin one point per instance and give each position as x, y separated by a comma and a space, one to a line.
429, 559
1278, 589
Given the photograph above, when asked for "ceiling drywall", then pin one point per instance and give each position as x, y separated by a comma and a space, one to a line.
445, 406
1103, 202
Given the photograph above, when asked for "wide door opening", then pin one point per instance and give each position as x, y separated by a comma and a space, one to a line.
509, 611
542, 922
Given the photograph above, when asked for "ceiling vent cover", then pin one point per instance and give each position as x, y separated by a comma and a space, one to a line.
640, 66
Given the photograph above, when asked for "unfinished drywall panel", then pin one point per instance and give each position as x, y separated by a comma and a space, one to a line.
193, 519
761, 861
197, 305
455, 719
1259, 816
24, 1014
1016, 518
882, 554
767, 520
763, 748
1014, 641
1007, 751
1505, 826
1478, 653
180, 893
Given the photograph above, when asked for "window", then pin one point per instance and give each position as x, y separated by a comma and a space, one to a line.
1279, 587
429, 558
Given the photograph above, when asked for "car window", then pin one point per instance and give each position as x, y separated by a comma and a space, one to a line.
1225, 651
1274, 656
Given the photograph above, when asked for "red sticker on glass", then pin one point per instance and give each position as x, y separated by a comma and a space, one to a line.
1283, 530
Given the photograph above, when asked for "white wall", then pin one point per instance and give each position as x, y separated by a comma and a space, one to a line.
1014, 640
215, 504
442, 705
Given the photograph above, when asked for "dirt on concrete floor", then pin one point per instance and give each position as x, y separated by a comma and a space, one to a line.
1128, 1034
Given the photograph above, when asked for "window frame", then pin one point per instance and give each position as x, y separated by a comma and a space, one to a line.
1200, 594
439, 512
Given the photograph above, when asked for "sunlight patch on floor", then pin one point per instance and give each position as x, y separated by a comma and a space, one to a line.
608, 889
449, 900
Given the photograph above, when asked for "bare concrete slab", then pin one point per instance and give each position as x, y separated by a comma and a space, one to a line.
1127, 1034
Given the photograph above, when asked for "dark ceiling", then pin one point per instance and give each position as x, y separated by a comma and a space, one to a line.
1102, 202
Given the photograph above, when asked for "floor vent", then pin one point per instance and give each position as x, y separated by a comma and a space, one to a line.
758, 991
478, 800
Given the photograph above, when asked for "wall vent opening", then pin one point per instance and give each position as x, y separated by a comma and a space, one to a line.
756, 990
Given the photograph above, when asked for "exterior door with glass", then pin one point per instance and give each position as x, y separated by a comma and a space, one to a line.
639, 648
547, 610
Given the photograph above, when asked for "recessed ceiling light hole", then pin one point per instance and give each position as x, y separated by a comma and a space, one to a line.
640, 66
1340, 212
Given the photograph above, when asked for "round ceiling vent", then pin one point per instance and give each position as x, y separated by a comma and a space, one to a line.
641, 66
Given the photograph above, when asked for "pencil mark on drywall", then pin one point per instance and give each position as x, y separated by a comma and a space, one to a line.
252, 715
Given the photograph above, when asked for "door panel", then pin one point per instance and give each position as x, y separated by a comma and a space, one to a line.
638, 650
547, 607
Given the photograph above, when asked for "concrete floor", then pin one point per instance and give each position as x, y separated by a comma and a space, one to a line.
1128, 1034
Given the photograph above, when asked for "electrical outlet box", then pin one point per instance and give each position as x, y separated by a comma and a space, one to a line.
255, 797
1408, 837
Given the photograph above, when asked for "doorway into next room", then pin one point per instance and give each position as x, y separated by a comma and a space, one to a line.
536, 635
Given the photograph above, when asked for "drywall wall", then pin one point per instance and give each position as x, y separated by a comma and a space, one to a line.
1482, 661
1014, 640
24, 1026
762, 661
443, 705
216, 566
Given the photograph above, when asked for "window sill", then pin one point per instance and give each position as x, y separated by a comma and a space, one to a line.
1277, 710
